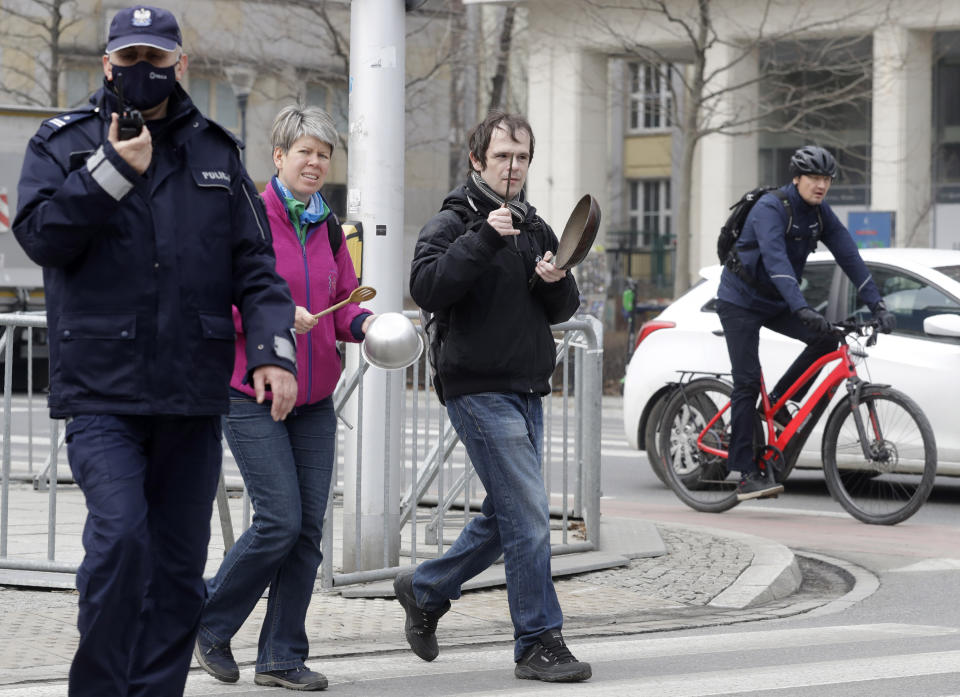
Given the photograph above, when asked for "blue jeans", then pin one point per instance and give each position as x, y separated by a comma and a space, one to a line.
286, 466
503, 434
149, 484
741, 329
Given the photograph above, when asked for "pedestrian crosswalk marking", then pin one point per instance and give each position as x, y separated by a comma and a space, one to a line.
931, 565
772, 678
462, 660
734, 680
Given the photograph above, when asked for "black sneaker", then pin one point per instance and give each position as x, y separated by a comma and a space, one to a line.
551, 661
216, 660
421, 625
755, 486
292, 679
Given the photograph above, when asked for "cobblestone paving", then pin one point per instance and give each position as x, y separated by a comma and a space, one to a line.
695, 570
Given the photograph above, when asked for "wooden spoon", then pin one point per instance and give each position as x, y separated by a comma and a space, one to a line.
360, 294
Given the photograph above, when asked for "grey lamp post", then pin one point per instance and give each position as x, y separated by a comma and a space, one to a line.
241, 78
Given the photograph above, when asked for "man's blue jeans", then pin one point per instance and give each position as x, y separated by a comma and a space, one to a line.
503, 435
286, 466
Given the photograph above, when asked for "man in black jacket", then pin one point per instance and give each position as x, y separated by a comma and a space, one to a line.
473, 263
146, 242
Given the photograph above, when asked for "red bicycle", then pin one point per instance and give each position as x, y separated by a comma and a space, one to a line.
878, 450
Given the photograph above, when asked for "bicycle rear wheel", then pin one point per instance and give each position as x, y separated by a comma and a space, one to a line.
652, 437
699, 479
892, 483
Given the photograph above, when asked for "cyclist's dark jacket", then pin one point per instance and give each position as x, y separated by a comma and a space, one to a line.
776, 258
499, 337
140, 272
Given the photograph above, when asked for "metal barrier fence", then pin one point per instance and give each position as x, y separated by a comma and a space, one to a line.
440, 491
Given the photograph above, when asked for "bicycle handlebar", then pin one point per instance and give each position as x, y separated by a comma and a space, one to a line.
869, 328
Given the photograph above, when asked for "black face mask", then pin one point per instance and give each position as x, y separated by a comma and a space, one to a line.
144, 84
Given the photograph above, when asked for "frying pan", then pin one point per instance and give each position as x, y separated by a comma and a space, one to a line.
578, 235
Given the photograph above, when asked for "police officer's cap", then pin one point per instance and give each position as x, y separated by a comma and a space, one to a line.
143, 25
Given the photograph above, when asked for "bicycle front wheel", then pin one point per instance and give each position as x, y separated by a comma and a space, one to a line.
887, 479
699, 479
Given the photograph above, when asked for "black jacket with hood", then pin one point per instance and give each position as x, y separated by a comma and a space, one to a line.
498, 337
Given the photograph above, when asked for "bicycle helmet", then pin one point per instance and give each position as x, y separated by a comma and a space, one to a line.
812, 159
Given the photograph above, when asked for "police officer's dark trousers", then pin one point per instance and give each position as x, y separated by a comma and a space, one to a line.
149, 484
741, 329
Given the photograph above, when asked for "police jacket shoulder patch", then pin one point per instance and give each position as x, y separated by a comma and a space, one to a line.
62, 121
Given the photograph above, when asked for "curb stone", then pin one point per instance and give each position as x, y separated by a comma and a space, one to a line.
773, 574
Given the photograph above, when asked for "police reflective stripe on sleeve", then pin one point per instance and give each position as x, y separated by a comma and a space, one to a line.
108, 176
286, 349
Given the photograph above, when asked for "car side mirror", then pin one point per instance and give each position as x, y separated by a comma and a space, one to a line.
942, 325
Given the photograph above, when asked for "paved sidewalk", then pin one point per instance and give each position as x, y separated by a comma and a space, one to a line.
696, 578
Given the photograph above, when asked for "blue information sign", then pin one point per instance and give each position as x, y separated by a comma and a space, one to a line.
871, 228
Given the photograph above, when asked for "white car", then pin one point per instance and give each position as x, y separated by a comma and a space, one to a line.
920, 358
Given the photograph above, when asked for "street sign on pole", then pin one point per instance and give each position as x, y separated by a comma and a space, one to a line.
871, 228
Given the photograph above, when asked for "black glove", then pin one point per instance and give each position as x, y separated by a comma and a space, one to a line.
813, 320
886, 320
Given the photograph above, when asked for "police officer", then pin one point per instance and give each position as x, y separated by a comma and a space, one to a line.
763, 290
146, 242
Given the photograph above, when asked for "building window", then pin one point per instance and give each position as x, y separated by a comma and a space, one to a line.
76, 85
946, 110
651, 101
333, 99
815, 92
215, 100
650, 212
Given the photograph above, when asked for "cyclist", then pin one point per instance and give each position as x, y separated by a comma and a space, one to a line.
760, 287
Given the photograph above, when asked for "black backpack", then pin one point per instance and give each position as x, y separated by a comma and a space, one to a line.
334, 233
730, 232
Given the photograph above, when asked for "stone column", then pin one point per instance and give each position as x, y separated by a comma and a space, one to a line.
902, 117
568, 113
725, 166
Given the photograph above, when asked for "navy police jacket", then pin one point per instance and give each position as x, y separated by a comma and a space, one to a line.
141, 272
775, 257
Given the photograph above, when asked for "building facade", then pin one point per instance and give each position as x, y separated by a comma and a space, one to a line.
608, 82
269, 53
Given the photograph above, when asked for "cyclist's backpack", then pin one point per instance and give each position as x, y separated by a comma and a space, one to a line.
730, 232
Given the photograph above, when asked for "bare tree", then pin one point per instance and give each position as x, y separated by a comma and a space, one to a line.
32, 31
805, 83
503, 57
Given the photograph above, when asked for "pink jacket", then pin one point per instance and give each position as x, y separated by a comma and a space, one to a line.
317, 280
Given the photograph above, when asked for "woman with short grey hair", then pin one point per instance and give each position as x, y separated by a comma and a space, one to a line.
287, 465
295, 121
